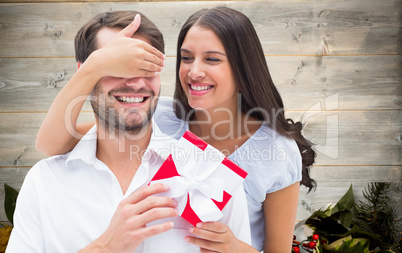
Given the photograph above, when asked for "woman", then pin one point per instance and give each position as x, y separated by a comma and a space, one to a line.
225, 92
225, 95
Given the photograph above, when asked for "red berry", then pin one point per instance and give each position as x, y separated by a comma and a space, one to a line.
294, 237
296, 249
311, 245
315, 237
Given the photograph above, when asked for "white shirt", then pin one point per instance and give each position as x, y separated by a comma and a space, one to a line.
273, 162
67, 201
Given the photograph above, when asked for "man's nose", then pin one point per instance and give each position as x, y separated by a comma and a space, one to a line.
135, 81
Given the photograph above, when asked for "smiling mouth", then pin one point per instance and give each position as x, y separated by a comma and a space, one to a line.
200, 87
130, 100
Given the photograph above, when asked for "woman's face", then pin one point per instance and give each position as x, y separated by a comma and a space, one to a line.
205, 73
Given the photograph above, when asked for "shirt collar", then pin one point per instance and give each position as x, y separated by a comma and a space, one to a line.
160, 144
85, 150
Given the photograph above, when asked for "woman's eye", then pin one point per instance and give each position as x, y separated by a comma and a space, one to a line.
185, 58
212, 59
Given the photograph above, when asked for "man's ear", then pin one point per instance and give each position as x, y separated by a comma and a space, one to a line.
79, 65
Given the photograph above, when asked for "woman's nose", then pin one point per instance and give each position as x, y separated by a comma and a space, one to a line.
196, 71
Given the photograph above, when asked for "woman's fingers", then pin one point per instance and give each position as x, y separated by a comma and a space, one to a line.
157, 56
129, 30
207, 235
212, 237
204, 244
213, 226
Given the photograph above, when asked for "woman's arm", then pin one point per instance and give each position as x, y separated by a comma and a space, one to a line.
54, 134
121, 57
280, 210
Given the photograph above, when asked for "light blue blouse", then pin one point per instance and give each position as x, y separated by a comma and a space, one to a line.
272, 161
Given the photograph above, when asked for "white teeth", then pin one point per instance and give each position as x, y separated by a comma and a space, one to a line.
130, 99
193, 87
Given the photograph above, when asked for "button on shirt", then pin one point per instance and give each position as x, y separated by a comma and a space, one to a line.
67, 201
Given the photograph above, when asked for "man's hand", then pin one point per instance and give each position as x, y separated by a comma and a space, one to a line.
217, 237
126, 57
127, 229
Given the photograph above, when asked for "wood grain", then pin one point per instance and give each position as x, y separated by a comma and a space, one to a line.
284, 27
337, 65
330, 189
356, 138
331, 192
303, 81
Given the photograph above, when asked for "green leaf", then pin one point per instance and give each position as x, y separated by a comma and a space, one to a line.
348, 245
375, 239
382, 251
346, 203
10, 200
346, 219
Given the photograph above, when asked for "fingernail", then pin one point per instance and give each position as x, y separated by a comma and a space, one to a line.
171, 224
177, 212
187, 238
156, 73
174, 203
166, 186
161, 70
199, 225
164, 57
191, 230
164, 64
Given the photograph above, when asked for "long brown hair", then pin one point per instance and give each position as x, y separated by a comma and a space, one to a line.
247, 60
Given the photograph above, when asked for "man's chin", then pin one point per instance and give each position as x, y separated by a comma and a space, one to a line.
137, 124
136, 132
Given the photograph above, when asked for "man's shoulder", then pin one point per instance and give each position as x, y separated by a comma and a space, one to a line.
49, 163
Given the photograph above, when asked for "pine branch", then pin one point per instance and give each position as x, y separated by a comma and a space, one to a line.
378, 216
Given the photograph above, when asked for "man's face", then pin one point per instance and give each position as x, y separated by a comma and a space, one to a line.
124, 104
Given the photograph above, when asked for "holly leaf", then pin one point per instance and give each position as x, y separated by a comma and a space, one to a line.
346, 203
382, 251
326, 226
375, 239
348, 245
346, 219
10, 200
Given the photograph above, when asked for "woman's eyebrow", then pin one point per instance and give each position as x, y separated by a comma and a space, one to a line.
183, 50
215, 52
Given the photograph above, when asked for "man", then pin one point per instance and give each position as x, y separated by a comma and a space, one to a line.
95, 198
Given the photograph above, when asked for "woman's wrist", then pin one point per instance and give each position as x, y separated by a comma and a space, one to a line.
92, 68
242, 247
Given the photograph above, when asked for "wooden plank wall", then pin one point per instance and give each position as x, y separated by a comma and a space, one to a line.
338, 66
